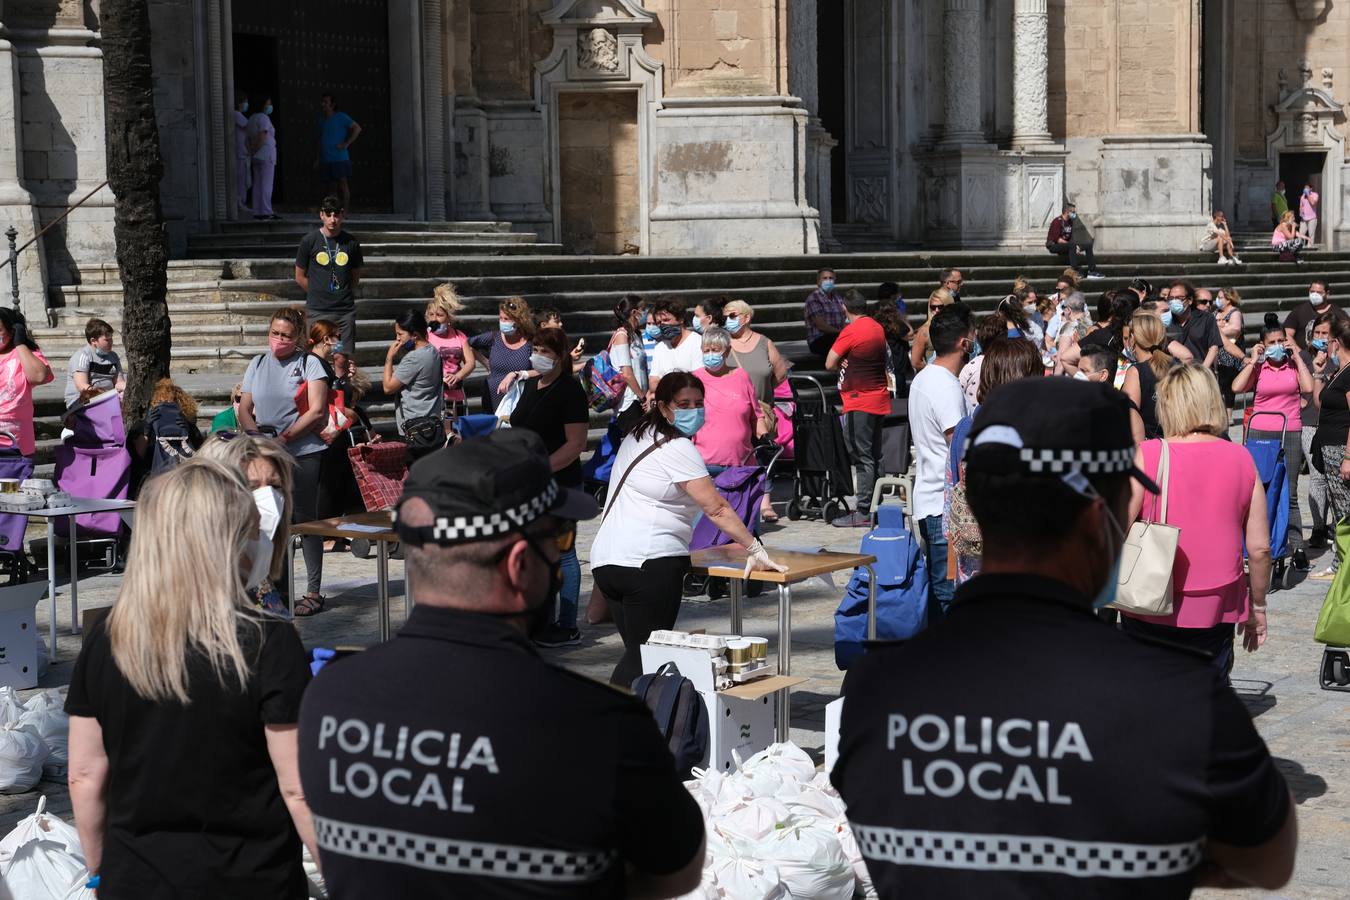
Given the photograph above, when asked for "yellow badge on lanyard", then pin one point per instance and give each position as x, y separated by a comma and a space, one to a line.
321, 258
341, 258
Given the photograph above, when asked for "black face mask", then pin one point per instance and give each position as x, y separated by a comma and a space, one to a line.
538, 615
669, 333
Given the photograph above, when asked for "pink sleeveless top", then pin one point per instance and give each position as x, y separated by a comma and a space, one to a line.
1209, 495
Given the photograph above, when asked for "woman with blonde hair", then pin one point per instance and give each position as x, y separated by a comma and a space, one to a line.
1219, 504
1146, 344
1228, 316
183, 706
452, 345
508, 348
920, 351
1285, 238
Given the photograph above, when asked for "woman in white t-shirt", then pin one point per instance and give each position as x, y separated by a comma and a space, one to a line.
660, 485
262, 144
628, 312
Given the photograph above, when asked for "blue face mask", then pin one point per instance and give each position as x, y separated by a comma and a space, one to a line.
827, 285
1335, 361
442, 329
1107, 595
977, 351
733, 324
1176, 306
1319, 344
507, 327
1072, 216
243, 107
267, 110
1276, 353
698, 325
1015, 333
1167, 318
651, 330
688, 421
713, 360
408, 345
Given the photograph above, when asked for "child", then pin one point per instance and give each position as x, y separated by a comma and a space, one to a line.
94, 365
548, 317
457, 357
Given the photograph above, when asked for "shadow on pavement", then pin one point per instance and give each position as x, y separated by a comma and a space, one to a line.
1305, 785
1255, 695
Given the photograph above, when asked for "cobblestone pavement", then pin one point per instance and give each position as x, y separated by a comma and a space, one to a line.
1307, 729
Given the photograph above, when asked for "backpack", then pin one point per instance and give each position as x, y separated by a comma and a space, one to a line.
680, 714
170, 437
902, 589
603, 381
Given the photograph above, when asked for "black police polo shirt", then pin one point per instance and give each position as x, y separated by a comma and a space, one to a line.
453, 761
1023, 748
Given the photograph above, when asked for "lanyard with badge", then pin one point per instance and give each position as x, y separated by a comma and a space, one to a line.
332, 256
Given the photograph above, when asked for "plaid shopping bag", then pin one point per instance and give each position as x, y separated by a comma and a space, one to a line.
380, 470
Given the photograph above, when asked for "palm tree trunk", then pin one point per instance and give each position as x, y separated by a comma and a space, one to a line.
134, 171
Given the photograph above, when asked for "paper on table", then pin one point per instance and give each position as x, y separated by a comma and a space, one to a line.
362, 529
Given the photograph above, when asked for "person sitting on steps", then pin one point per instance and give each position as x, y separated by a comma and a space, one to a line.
1061, 242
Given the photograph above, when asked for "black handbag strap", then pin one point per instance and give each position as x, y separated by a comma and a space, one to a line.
614, 494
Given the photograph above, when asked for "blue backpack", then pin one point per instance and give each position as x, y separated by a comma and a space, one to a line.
902, 589
680, 715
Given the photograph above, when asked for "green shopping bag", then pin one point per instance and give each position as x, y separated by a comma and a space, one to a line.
1333, 622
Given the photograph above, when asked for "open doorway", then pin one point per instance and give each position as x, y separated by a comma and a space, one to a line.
255, 73
832, 85
1298, 169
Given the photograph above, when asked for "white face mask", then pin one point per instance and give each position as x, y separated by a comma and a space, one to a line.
1314, 298
260, 554
270, 504
541, 363
1080, 375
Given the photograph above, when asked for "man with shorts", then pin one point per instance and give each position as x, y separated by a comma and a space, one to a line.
328, 267
337, 132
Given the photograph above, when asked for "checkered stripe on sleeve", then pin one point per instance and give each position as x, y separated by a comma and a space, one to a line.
451, 856
1093, 462
1022, 853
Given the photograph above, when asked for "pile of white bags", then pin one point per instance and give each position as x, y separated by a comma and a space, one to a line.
776, 831
41, 859
33, 739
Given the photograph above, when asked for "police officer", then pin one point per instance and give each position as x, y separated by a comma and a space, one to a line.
453, 761
1024, 748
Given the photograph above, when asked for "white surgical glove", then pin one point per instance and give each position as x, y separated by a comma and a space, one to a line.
758, 560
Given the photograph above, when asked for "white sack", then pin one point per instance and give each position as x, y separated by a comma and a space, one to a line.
810, 862
41, 858
22, 755
45, 717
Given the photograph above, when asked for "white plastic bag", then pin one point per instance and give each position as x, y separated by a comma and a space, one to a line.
41, 859
739, 874
22, 755
810, 861
755, 820
45, 717
77, 889
11, 708
788, 761
314, 882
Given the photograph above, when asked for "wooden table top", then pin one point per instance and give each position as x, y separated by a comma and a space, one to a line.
729, 562
333, 528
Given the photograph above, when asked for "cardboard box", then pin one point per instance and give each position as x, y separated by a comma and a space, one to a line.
834, 715
740, 719
18, 634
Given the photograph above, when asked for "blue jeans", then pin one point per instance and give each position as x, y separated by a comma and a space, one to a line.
940, 587
571, 589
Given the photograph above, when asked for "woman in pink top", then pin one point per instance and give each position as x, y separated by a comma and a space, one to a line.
1285, 238
22, 368
1276, 373
1215, 498
457, 358
732, 411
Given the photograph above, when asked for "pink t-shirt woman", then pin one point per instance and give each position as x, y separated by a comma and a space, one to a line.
1210, 485
16, 399
450, 346
1277, 392
730, 411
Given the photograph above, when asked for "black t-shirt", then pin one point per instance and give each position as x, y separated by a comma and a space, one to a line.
547, 411
1333, 423
329, 262
193, 804
453, 761
1300, 320
1026, 749
1198, 334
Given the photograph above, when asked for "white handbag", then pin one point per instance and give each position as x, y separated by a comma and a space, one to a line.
1146, 561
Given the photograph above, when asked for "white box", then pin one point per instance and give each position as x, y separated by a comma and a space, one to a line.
18, 634
740, 719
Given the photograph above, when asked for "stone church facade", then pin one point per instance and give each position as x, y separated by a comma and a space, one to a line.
709, 126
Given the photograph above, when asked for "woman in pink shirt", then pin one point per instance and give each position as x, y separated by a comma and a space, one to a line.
1215, 498
1276, 373
457, 358
22, 368
731, 409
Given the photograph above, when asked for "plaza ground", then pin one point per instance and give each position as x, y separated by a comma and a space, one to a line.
1306, 728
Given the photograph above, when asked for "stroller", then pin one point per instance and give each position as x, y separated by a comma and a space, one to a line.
1268, 454
824, 478
13, 558
94, 463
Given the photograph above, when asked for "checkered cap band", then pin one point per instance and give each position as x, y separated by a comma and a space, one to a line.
1022, 853
1092, 462
460, 529
438, 854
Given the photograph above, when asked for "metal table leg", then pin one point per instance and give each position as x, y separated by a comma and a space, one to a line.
290, 574
737, 587
871, 603
382, 572
51, 586
784, 697
74, 577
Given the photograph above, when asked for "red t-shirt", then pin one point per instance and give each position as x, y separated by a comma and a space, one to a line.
863, 387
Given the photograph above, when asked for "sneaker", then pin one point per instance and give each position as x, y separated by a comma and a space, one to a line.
1094, 275
1237, 261
1326, 574
853, 520
1225, 261
1301, 563
557, 636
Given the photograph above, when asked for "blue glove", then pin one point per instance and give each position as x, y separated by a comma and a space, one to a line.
321, 656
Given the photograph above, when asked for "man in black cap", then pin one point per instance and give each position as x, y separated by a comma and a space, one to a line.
1024, 748
453, 761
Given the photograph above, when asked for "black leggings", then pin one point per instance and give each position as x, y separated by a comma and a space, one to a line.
642, 601
307, 498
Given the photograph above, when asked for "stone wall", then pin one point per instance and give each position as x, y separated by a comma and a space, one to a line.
598, 156
174, 58
711, 48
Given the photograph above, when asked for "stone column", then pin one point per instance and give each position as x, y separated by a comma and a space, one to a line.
1031, 120
961, 58
16, 204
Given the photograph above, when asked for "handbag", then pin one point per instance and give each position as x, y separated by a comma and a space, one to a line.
424, 432
1146, 561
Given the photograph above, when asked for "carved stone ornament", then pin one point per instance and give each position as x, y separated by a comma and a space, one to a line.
869, 200
597, 51
1310, 10
1328, 76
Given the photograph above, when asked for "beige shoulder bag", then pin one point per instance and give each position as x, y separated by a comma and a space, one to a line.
1150, 551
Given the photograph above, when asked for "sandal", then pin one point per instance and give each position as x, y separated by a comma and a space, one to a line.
310, 604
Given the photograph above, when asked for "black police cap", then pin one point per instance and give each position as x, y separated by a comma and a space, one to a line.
1054, 427
486, 487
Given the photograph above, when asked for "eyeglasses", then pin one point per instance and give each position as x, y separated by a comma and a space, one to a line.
228, 434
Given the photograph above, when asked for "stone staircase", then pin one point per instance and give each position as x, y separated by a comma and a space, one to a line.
220, 301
